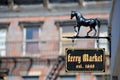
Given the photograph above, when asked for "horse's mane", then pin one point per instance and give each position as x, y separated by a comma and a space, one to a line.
79, 14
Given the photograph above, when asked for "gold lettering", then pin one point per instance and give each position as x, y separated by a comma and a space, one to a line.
89, 66
74, 58
85, 57
100, 58
79, 66
93, 58
69, 60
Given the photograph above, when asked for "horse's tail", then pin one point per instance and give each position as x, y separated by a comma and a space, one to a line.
98, 23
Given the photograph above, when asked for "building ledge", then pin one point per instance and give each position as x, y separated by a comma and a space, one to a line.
53, 10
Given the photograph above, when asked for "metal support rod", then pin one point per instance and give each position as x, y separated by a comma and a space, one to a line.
86, 37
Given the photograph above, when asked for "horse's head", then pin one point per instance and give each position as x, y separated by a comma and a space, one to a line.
75, 13
72, 14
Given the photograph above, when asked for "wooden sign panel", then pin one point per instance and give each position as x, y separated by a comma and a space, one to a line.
85, 60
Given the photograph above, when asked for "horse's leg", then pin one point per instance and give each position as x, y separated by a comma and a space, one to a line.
75, 31
95, 30
89, 31
78, 30
75, 28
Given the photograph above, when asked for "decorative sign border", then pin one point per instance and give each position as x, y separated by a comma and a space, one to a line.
85, 60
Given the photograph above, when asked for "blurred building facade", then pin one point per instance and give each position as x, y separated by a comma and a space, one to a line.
32, 46
115, 25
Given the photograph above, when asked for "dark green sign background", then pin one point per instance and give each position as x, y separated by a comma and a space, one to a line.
85, 60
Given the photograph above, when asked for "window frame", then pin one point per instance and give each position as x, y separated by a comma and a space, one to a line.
23, 26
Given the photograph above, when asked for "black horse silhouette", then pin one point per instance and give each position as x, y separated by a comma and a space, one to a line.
81, 21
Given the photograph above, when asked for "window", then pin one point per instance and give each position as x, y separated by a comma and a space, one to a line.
3, 32
67, 78
28, 2
103, 43
102, 77
22, 2
104, 33
2, 41
63, 1
97, 0
114, 77
30, 78
31, 37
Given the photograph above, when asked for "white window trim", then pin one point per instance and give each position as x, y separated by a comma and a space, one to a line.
60, 43
3, 42
24, 41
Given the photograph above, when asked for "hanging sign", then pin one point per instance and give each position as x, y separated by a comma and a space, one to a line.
85, 60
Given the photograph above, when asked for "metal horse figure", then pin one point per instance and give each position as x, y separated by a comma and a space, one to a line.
81, 21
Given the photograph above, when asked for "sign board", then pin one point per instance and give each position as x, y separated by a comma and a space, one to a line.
85, 60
